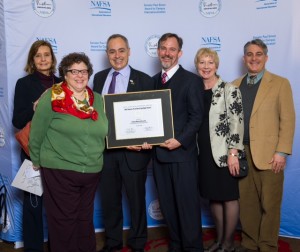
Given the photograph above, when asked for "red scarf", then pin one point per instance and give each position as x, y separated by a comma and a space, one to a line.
63, 101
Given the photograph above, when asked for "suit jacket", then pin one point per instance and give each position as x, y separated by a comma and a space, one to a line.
187, 107
28, 89
272, 121
138, 81
226, 109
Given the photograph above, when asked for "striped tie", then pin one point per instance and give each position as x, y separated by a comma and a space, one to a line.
164, 78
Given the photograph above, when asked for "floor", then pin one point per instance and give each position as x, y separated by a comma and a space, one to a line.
157, 241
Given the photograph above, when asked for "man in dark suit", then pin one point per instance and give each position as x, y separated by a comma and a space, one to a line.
175, 162
126, 166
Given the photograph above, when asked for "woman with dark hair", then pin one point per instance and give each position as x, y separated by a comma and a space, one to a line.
40, 67
67, 142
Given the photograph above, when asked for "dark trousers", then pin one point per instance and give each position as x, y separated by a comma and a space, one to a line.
33, 233
32, 220
69, 203
115, 174
179, 198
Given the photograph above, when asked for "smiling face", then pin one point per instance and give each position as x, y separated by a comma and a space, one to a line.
255, 59
207, 67
169, 53
118, 53
77, 82
43, 60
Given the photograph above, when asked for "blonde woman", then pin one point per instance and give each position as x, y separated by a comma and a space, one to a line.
219, 139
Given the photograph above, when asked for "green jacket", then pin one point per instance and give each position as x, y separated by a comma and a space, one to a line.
63, 141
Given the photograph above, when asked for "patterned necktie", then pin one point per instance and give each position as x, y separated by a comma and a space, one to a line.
252, 80
111, 89
164, 78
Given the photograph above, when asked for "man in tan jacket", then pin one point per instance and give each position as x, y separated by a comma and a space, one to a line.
269, 130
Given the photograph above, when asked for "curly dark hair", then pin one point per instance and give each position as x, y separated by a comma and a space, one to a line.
71, 59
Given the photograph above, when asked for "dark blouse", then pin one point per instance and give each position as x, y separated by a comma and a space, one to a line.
28, 89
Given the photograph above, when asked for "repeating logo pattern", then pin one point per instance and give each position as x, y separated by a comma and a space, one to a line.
154, 210
98, 46
151, 45
210, 8
52, 41
101, 8
213, 42
269, 39
43, 8
155, 8
266, 4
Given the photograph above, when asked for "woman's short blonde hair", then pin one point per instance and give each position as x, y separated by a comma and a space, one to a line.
207, 52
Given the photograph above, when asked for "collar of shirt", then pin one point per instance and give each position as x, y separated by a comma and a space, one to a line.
171, 72
257, 78
122, 80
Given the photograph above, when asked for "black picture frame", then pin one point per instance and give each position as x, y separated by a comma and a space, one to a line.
167, 117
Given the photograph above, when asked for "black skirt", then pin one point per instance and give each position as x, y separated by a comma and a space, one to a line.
216, 183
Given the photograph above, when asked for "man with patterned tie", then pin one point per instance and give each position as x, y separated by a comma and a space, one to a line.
126, 166
175, 161
269, 118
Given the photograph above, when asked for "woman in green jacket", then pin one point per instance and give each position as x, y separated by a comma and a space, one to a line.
67, 142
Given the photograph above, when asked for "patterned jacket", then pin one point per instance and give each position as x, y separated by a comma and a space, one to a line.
226, 126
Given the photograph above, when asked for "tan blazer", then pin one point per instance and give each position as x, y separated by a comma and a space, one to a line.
272, 121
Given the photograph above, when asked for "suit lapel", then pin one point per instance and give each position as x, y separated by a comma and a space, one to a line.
133, 81
263, 90
102, 82
238, 81
175, 82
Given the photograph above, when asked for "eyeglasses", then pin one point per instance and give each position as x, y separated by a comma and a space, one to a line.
76, 72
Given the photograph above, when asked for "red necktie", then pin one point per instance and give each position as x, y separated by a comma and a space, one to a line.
164, 78
111, 89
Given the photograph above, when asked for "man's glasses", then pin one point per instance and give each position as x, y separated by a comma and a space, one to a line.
76, 72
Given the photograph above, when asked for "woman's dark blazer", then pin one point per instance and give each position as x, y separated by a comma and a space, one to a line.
28, 89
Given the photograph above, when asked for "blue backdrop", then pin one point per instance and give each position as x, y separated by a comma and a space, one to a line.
84, 26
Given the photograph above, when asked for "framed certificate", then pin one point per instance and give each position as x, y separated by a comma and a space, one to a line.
138, 117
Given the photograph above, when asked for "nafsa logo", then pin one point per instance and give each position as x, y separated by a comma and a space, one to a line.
154, 210
43, 8
52, 41
210, 8
100, 8
151, 45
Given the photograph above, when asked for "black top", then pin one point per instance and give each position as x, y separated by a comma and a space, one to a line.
28, 89
248, 97
216, 183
